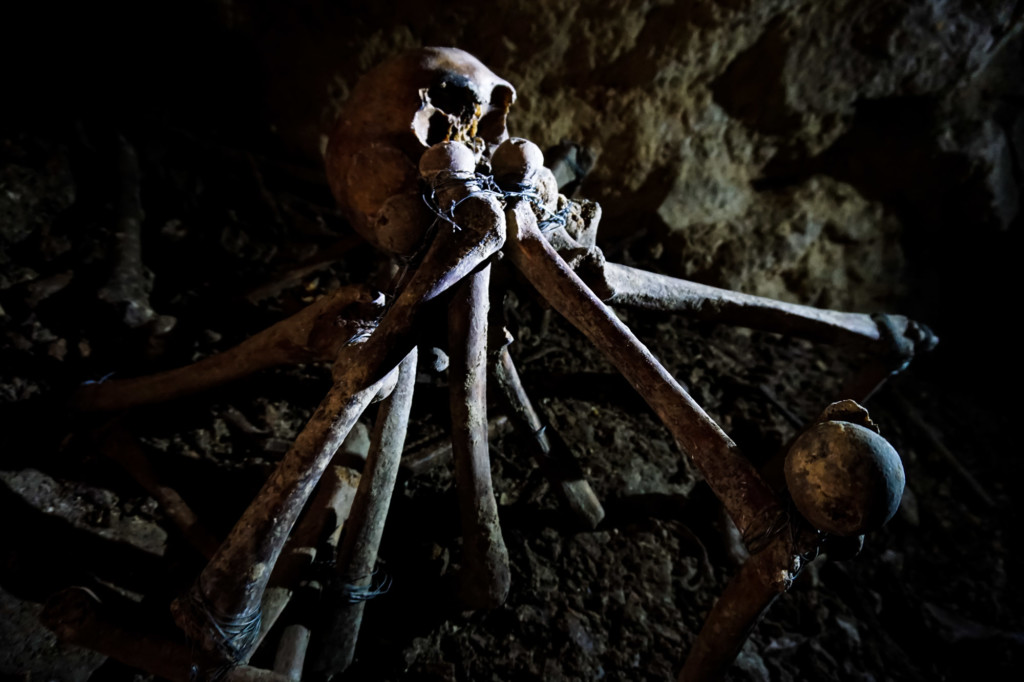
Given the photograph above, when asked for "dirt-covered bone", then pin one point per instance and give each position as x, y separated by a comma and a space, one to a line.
844, 478
518, 164
131, 283
626, 286
554, 459
398, 110
325, 516
748, 499
357, 555
314, 334
463, 204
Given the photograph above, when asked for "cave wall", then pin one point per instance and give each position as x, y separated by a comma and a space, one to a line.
856, 155
845, 154
785, 148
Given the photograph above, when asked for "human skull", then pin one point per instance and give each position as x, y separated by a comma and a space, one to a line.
398, 110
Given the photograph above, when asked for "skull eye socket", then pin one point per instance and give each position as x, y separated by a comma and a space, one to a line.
454, 94
439, 128
449, 109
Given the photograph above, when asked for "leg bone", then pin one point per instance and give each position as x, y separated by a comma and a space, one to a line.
223, 606
639, 288
558, 465
121, 446
485, 572
734, 480
762, 578
315, 334
358, 552
326, 514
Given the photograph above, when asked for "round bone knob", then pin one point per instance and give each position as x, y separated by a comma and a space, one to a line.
516, 160
843, 478
446, 156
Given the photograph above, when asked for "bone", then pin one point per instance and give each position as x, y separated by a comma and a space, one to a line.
319, 529
517, 161
485, 569
400, 107
296, 274
734, 480
221, 612
291, 652
121, 446
78, 617
751, 591
439, 451
899, 344
638, 288
130, 283
557, 464
844, 478
358, 552
315, 334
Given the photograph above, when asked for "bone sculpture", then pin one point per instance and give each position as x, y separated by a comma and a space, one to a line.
430, 124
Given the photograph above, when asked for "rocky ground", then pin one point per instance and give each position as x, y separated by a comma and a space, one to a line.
786, 150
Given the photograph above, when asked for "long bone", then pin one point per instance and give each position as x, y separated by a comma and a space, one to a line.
485, 576
221, 612
78, 617
314, 334
893, 339
551, 454
556, 463
357, 553
749, 501
290, 658
760, 580
641, 289
118, 443
325, 515
845, 480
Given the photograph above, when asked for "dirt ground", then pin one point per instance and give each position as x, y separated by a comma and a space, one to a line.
234, 239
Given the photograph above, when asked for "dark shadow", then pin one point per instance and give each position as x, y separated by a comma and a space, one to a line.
42, 554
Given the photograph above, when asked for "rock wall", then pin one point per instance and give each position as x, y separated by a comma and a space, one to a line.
744, 144
838, 153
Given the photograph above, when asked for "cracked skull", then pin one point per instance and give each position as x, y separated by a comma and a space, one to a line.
396, 112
